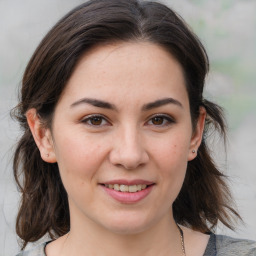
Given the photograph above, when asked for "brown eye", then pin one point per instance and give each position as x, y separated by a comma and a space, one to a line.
96, 120
161, 121
158, 120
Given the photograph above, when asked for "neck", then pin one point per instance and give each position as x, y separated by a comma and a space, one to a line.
162, 238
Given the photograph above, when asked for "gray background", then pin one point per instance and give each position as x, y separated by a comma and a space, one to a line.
227, 29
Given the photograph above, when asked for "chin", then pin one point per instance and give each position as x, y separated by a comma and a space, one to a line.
127, 229
128, 224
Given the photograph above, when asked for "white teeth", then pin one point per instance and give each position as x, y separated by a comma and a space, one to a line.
132, 188
116, 187
139, 187
126, 188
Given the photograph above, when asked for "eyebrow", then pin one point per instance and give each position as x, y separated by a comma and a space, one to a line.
95, 103
161, 102
107, 105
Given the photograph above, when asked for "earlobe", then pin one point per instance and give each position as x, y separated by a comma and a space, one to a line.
42, 136
197, 135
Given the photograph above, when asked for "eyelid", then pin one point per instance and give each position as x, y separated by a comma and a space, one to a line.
88, 117
170, 119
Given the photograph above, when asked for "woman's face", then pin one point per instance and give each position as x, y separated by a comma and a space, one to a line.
122, 136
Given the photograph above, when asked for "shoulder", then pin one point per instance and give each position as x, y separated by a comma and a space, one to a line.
235, 246
36, 251
228, 246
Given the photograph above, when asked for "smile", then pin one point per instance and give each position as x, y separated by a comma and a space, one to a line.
128, 193
126, 188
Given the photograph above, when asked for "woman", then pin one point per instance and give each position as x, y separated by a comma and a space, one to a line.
113, 159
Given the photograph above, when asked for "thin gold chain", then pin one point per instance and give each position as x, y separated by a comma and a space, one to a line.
182, 241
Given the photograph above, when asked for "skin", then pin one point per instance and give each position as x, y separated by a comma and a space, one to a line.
125, 142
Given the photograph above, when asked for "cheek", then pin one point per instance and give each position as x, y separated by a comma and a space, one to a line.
172, 154
171, 159
78, 158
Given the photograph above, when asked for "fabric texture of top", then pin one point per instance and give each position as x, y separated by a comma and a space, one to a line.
218, 245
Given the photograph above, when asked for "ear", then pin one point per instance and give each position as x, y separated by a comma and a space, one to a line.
42, 136
197, 135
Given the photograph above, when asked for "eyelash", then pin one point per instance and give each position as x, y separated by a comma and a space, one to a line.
90, 118
167, 120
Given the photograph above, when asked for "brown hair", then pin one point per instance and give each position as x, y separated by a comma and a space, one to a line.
204, 198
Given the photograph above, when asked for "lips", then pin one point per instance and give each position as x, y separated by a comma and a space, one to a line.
126, 188
128, 191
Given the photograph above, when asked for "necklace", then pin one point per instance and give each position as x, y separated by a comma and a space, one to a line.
182, 241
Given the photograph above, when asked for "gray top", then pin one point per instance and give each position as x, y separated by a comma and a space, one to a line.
218, 245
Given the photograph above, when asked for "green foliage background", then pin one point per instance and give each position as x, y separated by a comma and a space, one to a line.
228, 31
227, 28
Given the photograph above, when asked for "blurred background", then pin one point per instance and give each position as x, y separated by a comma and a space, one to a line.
227, 28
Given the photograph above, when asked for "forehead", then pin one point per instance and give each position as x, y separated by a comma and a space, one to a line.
135, 54
127, 70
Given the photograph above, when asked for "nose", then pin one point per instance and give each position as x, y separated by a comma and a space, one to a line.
128, 150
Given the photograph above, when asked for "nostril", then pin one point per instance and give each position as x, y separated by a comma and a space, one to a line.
128, 151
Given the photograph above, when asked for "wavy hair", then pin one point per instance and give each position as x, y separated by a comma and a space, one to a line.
204, 198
